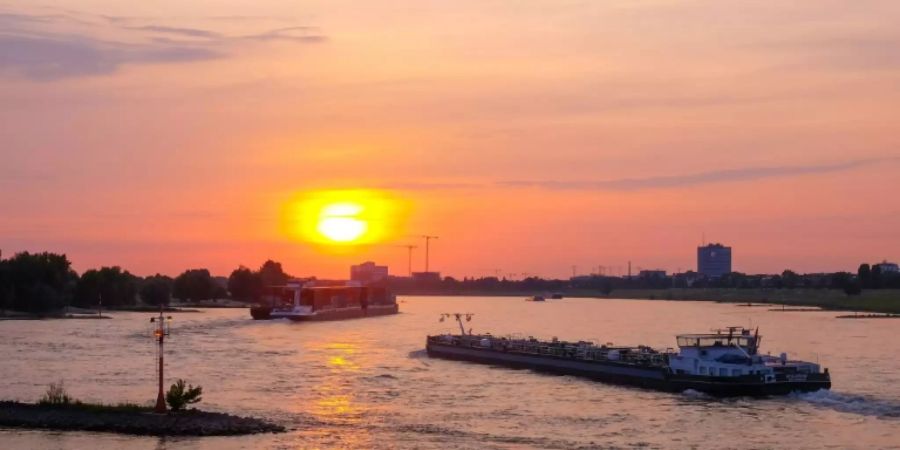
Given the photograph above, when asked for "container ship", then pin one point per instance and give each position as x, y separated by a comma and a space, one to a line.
724, 363
308, 301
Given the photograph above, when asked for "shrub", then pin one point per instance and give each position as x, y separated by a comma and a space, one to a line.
56, 395
180, 396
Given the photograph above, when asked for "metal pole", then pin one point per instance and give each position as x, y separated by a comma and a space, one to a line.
427, 242
409, 263
160, 330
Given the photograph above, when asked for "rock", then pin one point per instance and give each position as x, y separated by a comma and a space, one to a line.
186, 423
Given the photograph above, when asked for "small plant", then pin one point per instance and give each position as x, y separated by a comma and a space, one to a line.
56, 395
180, 396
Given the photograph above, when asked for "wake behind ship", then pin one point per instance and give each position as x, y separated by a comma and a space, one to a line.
309, 301
721, 364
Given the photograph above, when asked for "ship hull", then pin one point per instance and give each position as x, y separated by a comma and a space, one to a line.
657, 378
263, 313
346, 313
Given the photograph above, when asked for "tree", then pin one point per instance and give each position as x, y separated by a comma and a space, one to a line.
865, 275
38, 282
852, 288
840, 280
245, 285
6, 288
790, 279
180, 396
876, 277
272, 274
194, 284
110, 285
156, 290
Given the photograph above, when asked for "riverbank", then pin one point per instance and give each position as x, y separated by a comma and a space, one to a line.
70, 313
130, 419
880, 300
876, 301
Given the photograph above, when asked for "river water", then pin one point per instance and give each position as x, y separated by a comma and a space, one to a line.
368, 383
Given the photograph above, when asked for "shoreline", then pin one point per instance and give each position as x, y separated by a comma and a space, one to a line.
874, 301
110, 419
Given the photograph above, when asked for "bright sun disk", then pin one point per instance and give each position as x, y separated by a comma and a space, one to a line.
340, 222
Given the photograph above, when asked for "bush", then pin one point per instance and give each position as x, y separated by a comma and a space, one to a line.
853, 288
56, 395
180, 396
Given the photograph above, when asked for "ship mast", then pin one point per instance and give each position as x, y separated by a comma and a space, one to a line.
459, 317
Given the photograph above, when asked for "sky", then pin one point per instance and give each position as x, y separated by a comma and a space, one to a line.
533, 137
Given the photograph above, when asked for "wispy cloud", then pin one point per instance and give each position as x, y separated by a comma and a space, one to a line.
657, 182
189, 32
38, 47
876, 50
46, 58
297, 34
688, 180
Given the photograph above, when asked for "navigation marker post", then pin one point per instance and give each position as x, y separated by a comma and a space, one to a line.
160, 331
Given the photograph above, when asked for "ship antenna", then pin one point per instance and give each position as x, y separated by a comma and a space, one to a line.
756, 341
459, 320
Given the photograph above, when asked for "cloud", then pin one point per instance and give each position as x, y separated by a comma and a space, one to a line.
46, 58
718, 176
659, 182
189, 32
297, 34
38, 47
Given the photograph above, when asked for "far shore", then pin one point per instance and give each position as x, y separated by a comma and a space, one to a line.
875, 300
85, 313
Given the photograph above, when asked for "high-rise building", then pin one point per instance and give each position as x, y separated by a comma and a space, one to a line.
713, 260
368, 272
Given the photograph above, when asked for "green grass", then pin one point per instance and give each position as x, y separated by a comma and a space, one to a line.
57, 397
101, 407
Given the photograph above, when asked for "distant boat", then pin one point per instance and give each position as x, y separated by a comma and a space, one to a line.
535, 298
308, 302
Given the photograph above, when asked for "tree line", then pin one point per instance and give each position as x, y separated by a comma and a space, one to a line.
45, 282
852, 284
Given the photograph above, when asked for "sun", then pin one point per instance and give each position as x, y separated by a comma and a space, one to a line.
344, 219
341, 222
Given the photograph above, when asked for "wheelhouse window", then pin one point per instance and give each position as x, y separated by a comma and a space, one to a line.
713, 340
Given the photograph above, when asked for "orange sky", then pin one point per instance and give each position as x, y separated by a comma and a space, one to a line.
531, 136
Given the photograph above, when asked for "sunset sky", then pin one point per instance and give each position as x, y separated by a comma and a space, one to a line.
531, 136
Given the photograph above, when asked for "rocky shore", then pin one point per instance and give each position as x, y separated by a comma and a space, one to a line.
185, 423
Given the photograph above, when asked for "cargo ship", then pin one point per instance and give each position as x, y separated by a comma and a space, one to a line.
307, 301
724, 363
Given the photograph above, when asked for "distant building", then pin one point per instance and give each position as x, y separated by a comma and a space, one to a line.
887, 267
426, 277
652, 274
368, 272
713, 260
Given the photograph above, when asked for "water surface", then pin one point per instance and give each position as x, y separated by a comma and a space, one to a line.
367, 383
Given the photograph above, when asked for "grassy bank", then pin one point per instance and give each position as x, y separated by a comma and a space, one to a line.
881, 300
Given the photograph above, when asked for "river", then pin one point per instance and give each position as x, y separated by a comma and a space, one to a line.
368, 383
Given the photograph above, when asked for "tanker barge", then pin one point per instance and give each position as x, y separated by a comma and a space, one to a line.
310, 302
724, 363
